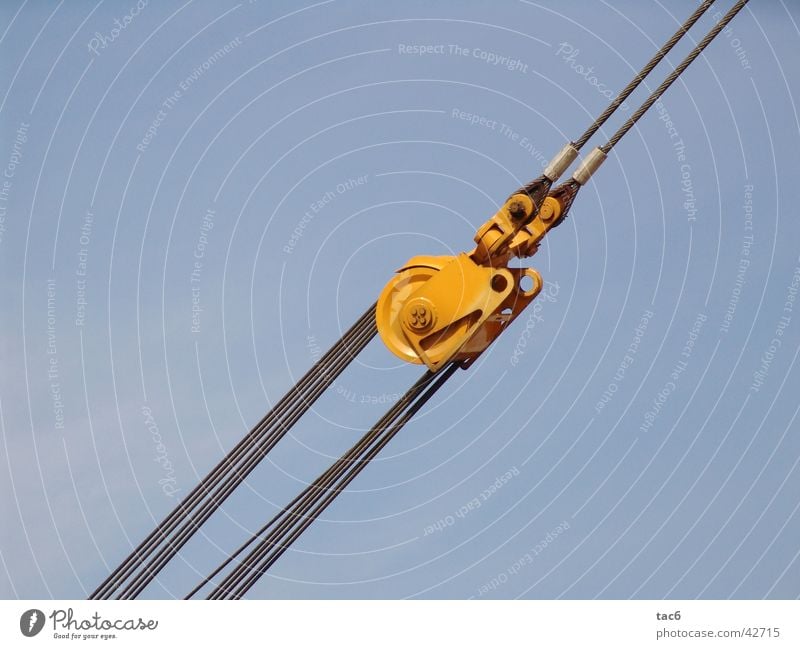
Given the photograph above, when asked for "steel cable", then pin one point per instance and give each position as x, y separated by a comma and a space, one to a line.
566, 192
302, 394
235, 478
674, 75
537, 188
643, 73
291, 523
237, 475
315, 490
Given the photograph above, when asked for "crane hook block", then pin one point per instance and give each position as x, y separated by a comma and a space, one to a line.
441, 309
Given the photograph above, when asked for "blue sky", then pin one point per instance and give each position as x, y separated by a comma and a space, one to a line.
160, 160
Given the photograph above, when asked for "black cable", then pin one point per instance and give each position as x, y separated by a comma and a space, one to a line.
168, 524
314, 491
237, 475
347, 479
644, 72
566, 192
538, 188
321, 482
350, 465
673, 76
386, 436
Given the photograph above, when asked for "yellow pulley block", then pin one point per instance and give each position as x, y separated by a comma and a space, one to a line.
451, 308
441, 309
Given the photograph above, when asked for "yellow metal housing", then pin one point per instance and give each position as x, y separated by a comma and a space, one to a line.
441, 309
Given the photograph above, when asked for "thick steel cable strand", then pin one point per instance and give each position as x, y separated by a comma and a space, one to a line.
349, 477
539, 183
112, 582
314, 489
353, 468
321, 482
320, 369
674, 75
237, 475
643, 73
273, 548
568, 190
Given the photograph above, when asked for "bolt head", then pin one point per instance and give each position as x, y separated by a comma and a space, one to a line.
419, 315
517, 210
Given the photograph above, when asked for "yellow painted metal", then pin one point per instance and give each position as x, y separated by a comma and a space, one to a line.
451, 308
394, 295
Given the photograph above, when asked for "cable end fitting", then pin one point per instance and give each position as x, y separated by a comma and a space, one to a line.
589, 165
561, 162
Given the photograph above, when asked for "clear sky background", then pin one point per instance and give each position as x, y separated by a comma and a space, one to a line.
210, 128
